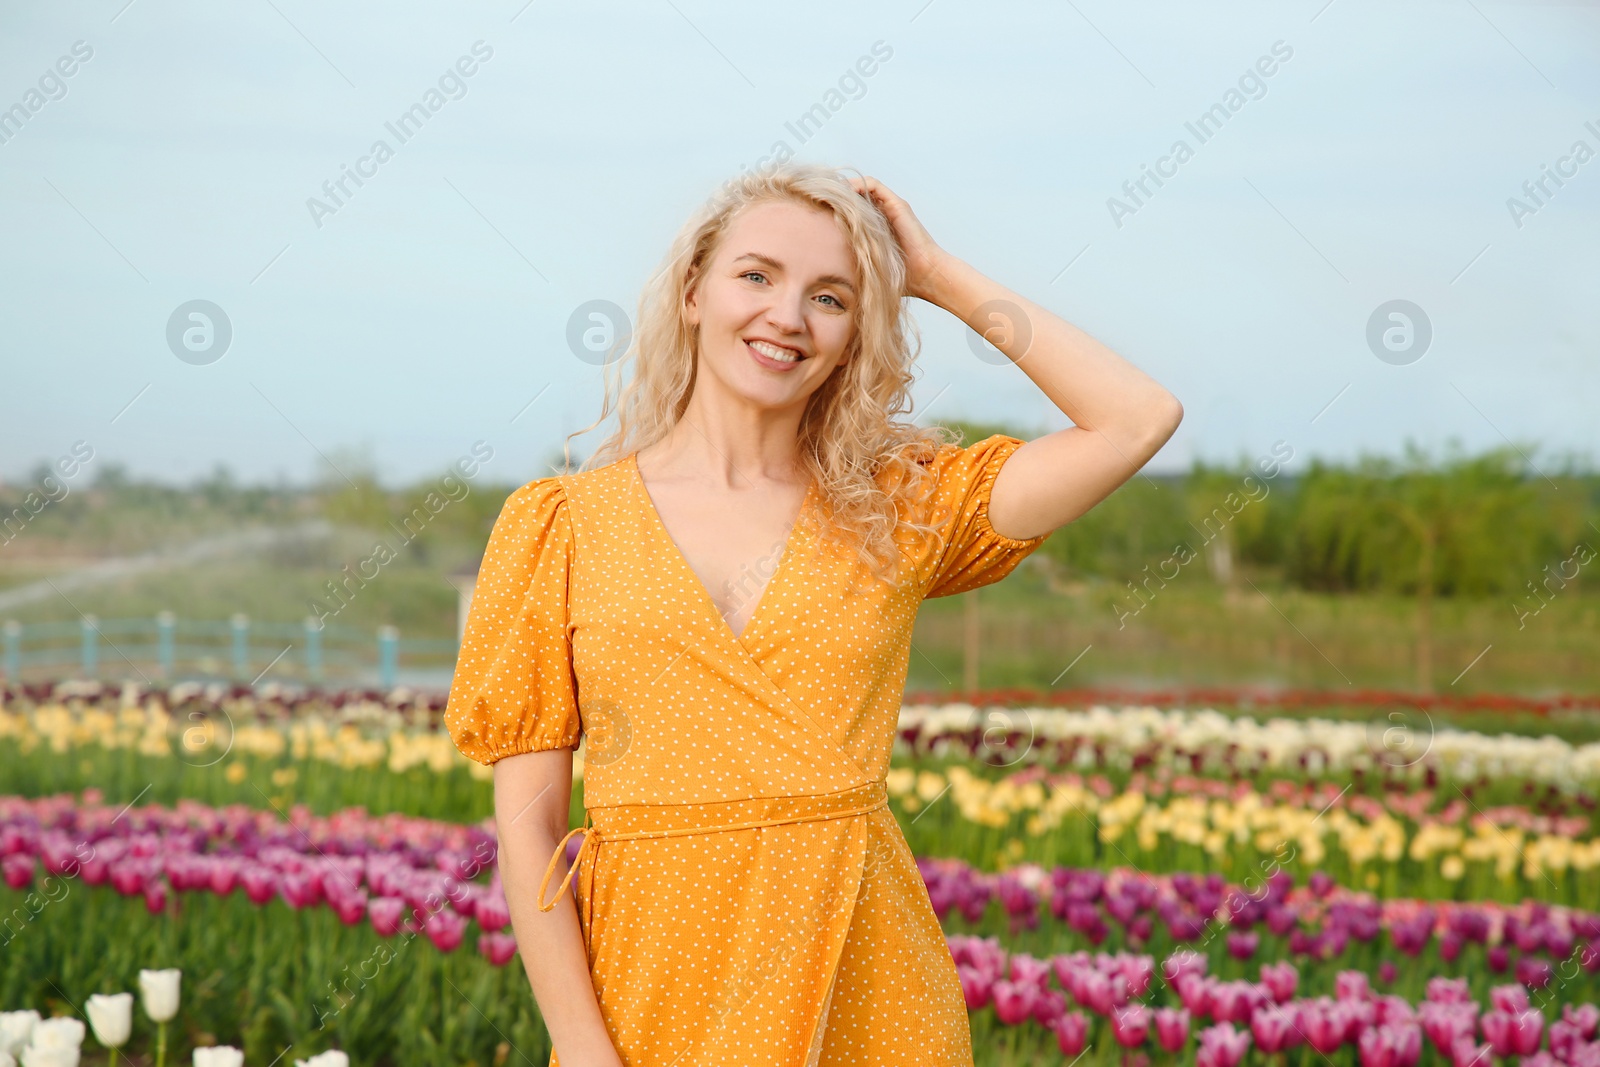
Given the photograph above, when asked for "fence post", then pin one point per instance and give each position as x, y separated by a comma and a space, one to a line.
241, 645
13, 651
90, 655
166, 623
313, 648
388, 655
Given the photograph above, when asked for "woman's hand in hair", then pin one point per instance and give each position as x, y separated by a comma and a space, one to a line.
924, 258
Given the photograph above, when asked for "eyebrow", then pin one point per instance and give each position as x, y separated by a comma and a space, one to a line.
830, 279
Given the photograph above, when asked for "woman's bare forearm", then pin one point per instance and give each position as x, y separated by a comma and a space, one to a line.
532, 795
1121, 416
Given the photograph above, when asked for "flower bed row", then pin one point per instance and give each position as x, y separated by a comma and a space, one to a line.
1272, 919
1123, 1006
1408, 747
1385, 846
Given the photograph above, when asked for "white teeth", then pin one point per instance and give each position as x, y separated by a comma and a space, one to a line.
782, 355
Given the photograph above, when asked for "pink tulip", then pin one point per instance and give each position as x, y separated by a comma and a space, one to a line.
18, 870
1351, 985
1026, 970
1013, 1002
260, 884
976, 986
1564, 1038
1195, 992
1182, 962
1510, 999
1221, 1046
497, 948
386, 914
1274, 1028
1446, 1024
1072, 1032
1467, 1053
1585, 1017
445, 929
155, 896
1323, 1023
1513, 1034
1281, 980
1130, 1025
493, 913
1172, 1028
1048, 1006
1449, 991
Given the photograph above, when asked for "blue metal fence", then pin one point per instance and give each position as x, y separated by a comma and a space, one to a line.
239, 649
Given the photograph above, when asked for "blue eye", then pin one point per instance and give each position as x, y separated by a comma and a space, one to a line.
754, 273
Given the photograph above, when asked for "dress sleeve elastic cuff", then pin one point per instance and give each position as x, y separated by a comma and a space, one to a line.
986, 485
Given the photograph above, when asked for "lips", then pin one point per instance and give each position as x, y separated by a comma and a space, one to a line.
774, 356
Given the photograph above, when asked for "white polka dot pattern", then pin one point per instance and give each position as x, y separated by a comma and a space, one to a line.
795, 943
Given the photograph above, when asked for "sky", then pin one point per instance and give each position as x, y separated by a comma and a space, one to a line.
426, 311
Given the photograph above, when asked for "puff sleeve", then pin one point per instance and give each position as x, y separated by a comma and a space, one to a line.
514, 689
972, 554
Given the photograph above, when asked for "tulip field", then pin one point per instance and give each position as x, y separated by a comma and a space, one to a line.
226, 877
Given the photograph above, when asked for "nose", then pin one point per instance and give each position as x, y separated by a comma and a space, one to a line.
786, 313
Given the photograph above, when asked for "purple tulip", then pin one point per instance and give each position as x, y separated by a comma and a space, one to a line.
1499, 959
1535, 974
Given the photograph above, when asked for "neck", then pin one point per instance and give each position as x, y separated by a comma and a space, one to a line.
730, 443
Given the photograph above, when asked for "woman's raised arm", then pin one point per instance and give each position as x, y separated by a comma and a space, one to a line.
1121, 416
532, 799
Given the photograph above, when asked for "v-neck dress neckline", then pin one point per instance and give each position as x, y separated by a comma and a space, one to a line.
705, 599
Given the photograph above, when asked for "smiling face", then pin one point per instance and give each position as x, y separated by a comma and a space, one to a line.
775, 305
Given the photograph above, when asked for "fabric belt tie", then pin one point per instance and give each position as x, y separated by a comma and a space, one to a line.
632, 822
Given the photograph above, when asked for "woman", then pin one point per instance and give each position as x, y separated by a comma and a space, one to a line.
721, 601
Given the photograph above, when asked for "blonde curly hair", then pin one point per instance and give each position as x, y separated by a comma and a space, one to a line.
868, 465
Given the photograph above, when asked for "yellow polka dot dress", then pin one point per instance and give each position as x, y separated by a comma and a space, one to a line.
746, 896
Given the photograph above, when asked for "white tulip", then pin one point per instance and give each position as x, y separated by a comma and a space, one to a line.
33, 1056
218, 1056
15, 1029
7, 1060
60, 1033
332, 1058
111, 1016
160, 992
